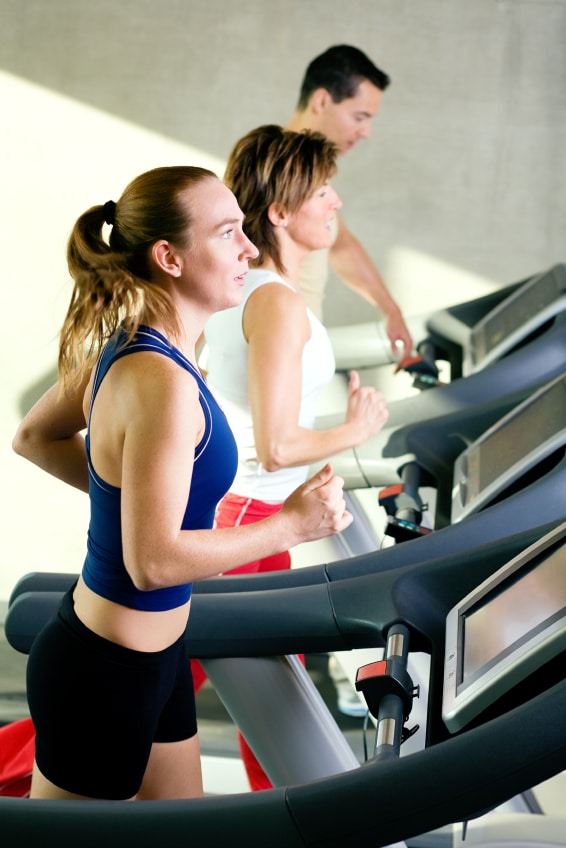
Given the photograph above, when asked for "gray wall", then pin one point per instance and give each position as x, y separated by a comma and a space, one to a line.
462, 186
466, 165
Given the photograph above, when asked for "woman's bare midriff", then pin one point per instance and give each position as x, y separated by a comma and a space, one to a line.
135, 629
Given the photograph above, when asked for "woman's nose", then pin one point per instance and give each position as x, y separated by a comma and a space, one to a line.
336, 202
250, 250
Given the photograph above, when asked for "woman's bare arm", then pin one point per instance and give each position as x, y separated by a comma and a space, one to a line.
163, 424
50, 436
277, 328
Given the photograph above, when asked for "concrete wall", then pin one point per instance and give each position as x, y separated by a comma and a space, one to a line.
461, 188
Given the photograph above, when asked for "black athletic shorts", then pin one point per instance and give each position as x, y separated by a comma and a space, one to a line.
97, 707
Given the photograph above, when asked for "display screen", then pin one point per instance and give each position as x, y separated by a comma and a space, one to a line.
512, 614
522, 433
516, 311
510, 447
505, 630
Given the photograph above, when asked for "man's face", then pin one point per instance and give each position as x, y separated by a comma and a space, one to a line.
345, 123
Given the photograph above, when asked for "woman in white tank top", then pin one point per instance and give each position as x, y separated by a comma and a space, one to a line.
269, 358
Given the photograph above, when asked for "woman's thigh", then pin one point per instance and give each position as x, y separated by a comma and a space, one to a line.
173, 771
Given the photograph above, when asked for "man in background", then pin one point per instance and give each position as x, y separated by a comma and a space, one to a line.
340, 95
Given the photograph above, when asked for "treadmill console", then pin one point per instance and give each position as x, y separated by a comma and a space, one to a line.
509, 448
505, 630
483, 337
515, 318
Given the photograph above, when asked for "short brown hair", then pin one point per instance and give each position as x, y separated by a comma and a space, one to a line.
273, 165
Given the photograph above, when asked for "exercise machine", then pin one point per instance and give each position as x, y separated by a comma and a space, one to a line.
500, 348
472, 761
328, 608
469, 336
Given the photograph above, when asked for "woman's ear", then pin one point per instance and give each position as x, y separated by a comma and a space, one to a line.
165, 258
277, 215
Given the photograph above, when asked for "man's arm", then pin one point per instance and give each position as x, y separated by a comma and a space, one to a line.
353, 265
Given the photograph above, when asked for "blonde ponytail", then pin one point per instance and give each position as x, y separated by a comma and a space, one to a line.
112, 279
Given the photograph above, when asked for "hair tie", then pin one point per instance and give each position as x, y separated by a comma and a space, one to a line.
108, 210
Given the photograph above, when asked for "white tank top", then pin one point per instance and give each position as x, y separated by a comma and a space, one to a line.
227, 377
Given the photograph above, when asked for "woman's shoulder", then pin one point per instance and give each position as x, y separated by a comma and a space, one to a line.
151, 372
272, 308
272, 288
257, 277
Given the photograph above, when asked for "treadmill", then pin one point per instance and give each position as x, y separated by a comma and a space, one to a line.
500, 348
469, 335
533, 505
510, 689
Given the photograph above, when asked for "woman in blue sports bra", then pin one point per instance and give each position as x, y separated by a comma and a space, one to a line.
109, 684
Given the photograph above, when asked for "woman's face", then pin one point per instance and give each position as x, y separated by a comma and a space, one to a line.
215, 264
311, 225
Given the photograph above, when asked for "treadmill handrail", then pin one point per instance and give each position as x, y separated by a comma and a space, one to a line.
380, 803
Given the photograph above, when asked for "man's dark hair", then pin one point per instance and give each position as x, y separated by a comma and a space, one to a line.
340, 70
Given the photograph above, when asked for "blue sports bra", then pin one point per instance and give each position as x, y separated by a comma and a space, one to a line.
214, 468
